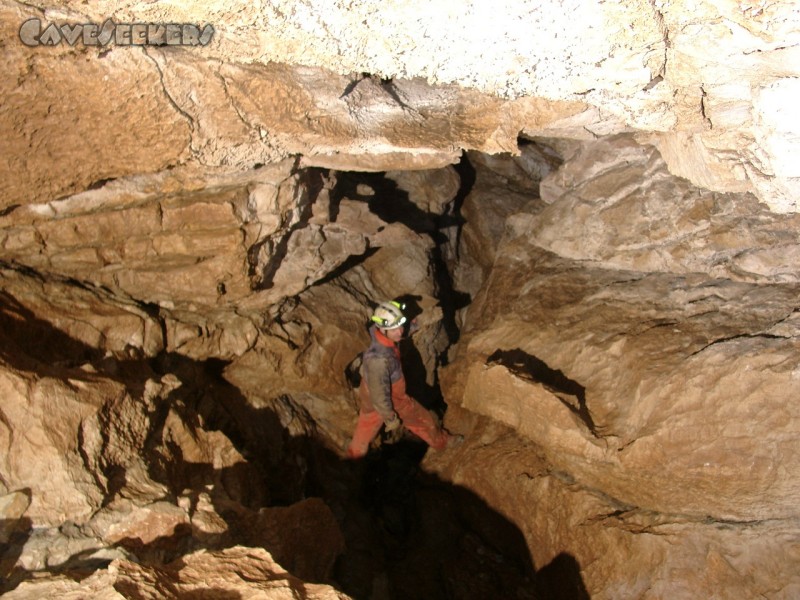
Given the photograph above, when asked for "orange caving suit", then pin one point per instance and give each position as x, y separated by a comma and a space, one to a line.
383, 393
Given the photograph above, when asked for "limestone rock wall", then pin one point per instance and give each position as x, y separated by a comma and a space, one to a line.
219, 111
651, 361
109, 465
234, 572
397, 88
168, 326
191, 237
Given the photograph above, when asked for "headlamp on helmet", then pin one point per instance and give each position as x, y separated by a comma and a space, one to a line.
389, 315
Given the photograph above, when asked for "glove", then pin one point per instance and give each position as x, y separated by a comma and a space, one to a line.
394, 431
393, 425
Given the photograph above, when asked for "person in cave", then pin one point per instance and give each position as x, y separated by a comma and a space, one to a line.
382, 393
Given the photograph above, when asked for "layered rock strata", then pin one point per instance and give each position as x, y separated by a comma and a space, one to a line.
656, 380
191, 236
373, 89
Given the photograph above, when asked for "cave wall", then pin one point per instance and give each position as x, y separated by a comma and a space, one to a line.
282, 79
608, 277
651, 394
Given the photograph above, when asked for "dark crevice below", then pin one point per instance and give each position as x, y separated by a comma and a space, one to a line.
408, 534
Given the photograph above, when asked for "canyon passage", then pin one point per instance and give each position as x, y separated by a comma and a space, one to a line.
589, 209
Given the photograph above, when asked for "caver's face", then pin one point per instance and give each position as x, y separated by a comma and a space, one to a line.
395, 334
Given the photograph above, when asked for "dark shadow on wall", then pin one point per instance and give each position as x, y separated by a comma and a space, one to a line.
527, 366
392, 204
29, 343
467, 176
271, 453
14, 533
414, 369
407, 534
561, 579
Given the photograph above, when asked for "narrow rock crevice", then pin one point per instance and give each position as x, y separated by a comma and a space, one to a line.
733, 338
189, 119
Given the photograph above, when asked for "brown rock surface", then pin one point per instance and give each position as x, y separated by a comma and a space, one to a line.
644, 219
64, 108
333, 78
236, 572
654, 384
590, 205
100, 474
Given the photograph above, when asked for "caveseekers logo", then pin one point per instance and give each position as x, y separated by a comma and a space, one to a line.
35, 33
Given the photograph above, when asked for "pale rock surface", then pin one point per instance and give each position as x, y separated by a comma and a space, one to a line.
674, 385
644, 219
363, 87
221, 107
240, 572
39, 418
742, 135
70, 121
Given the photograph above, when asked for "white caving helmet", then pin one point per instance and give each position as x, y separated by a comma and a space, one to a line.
389, 315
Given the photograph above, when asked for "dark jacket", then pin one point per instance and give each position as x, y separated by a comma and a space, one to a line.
380, 370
